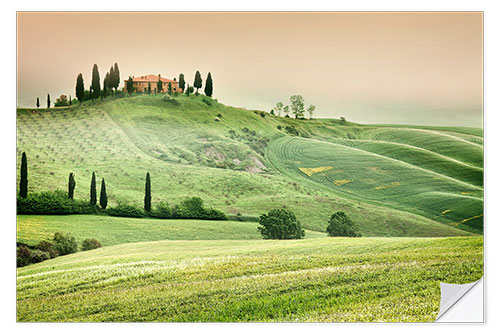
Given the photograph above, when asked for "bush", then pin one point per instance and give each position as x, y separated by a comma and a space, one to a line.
342, 226
52, 203
280, 224
342, 120
39, 256
23, 256
48, 247
291, 130
192, 208
90, 244
169, 99
161, 210
279, 127
64, 243
125, 210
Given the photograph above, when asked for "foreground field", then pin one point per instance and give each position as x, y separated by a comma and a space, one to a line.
110, 230
328, 279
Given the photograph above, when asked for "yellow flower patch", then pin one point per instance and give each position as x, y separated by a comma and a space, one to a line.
340, 182
445, 211
312, 171
391, 185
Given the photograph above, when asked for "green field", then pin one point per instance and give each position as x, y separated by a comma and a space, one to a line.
109, 230
235, 160
328, 279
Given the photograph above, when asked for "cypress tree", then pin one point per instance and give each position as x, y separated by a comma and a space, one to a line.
37, 102
70, 100
23, 184
80, 88
159, 86
130, 85
71, 185
103, 199
187, 90
182, 83
96, 82
149, 88
209, 85
197, 81
111, 79
147, 195
169, 88
48, 101
116, 77
93, 190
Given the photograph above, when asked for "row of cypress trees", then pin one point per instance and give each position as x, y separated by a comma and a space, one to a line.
103, 198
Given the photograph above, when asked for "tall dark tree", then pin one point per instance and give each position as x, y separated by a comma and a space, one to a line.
48, 101
169, 90
116, 77
209, 88
130, 85
96, 82
70, 101
147, 194
93, 190
103, 199
159, 86
37, 102
23, 184
107, 84
197, 81
80, 88
187, 90
149, 88
182, 83
71, 185
111, 79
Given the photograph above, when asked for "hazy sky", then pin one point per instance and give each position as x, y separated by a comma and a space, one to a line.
413, 68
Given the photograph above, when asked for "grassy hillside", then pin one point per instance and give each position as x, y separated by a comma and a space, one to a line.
235, 161
327, 279
31, 229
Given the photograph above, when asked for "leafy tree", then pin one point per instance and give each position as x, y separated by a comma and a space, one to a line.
48, 101
169, 90
103, 199
280, 224
279, 108
147, 195
62, 101
130, 85
115, 77
64, 243
80, 88
23, 183
297, 106
182, 83
149, 88
71, 185
159, 86
37, 102
197, 81
93, 190
310, 110
341, 225
209, 88
286, 111
96, 82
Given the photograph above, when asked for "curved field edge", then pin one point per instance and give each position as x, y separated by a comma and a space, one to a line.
109, 230
328, 279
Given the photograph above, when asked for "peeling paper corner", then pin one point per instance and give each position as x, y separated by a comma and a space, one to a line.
461, 303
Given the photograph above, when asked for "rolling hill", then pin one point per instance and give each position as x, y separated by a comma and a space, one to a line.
392, 180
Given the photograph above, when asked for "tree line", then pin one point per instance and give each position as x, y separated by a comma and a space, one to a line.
296, 108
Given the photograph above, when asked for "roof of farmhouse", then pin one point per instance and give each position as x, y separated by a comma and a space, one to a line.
150, 78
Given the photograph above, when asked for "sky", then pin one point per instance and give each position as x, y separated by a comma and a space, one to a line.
421, 68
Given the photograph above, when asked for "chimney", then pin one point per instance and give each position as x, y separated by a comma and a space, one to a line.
159, 76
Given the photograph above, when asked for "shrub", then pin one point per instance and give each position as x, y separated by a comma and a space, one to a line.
207, 101
280, 224
125, 210
342, 120
162, 210
341, 225
23, 256
39, 256
90, 244
169, 99
192, 208
219, 115
52, 203
48, 247
291, 130
279, 127
64, 243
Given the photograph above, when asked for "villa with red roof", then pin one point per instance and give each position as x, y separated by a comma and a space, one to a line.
141, 83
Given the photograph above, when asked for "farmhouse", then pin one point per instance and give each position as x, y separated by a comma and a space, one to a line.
141, 83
